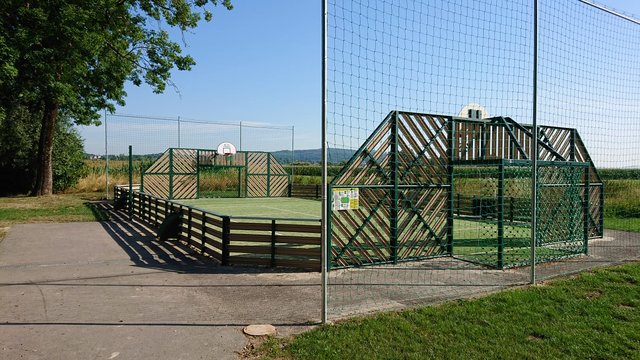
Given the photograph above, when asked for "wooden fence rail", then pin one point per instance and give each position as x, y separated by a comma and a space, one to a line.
305, 191
233, 240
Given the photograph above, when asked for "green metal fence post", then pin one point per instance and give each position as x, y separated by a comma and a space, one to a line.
141, 178
572, 145
268, 175
226, 231
329, 235
501, 215
273, 243
189, 221
239, 182
601, 209
198, 174
130, 198
171, 174
450, 195
393, 211
246, 174
203, 234
585, 209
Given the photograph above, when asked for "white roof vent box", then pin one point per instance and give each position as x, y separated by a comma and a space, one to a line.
474, 111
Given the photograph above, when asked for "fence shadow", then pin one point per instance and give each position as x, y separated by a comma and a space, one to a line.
145, 250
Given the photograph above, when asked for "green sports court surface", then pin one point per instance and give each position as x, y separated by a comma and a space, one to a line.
474, 240
260, 207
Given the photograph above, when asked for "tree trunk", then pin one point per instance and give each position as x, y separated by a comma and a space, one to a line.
44, 172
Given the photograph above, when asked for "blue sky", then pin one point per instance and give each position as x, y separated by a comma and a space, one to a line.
259, 63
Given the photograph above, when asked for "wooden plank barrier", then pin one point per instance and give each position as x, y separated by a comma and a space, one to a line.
306, 191
231, 240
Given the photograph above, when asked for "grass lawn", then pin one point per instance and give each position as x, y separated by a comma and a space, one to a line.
54, 208
624, 224
591, 315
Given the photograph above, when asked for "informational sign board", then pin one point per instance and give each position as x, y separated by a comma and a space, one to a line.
345, 199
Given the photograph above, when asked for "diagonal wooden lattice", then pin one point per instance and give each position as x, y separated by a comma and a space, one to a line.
401, 173
174, 175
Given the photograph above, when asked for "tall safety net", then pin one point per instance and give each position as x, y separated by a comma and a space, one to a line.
152, 136
430, 108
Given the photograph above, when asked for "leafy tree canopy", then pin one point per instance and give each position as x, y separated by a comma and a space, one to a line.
74, 56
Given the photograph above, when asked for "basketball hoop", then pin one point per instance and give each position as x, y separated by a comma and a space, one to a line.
474, 111
226, 149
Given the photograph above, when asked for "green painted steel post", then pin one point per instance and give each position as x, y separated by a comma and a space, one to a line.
483, 141
198, 174
189, 221
239, 182
572, 146
450, 194
601, 208
246, 174
171, 174
141, 179
273, 243
203, 234
393, 211
329, 221
268, 175
130, 197
226, 232
500, 216
585, 209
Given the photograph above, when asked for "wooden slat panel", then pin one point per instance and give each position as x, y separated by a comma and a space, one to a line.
214, 232
215, 243
250, 249
314, 229
235, 225
161, 164
250, 237
307, 252
214, 254
292, 239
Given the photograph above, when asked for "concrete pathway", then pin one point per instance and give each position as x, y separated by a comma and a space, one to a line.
109, 291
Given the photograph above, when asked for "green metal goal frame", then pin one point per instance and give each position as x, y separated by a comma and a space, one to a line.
256, 171
404, 173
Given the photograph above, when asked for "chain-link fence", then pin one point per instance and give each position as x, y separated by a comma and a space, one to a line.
494, 144
151, 136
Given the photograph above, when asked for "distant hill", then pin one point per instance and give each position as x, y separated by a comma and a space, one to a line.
313, 155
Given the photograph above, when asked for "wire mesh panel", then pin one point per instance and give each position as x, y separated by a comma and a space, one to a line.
421, 57
589, 73
563, 215
475, 230
472, 199
150, 136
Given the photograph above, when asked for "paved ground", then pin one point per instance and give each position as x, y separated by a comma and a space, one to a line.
110, 291
105, 291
